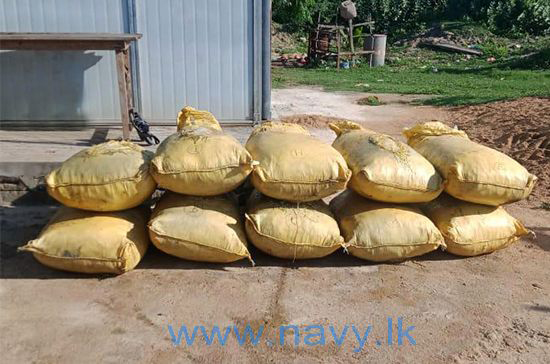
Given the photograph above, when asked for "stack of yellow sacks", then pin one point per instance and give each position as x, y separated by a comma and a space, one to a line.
403, 212
286, 216
478, 180
394, 208
198, 165
377, 216
100, 228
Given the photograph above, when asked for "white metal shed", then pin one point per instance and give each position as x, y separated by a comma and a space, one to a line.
210, 54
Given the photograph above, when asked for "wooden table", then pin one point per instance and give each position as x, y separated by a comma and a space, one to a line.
119, 43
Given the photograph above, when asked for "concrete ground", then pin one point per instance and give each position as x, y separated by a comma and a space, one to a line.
492, 308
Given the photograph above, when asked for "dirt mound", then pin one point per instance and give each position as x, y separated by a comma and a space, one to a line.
312, 121
369, 100
519, 128
280, 40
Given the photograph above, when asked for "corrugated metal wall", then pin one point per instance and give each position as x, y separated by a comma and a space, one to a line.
59, 85
203, 53
198, 53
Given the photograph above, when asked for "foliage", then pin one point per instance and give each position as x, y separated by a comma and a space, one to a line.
293, 14
495, 49
514, 17
401, 17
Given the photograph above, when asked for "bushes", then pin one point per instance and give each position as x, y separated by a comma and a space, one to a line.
399, 17
396, 17
293, 14
515, 17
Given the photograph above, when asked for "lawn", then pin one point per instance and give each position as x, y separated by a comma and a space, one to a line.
453, 79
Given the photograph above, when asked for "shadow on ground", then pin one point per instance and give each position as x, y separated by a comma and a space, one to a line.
542, 236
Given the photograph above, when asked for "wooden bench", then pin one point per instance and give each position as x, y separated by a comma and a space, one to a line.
119, 43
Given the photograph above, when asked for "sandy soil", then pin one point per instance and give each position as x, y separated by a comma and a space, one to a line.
493, 308
519, 128
390, 117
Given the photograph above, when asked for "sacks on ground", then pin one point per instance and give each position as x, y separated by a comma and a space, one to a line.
111, 176
385, 169
472, 229
293, 165
291, 230
379, 231
92, 242
200, 159
472, 172
206, 229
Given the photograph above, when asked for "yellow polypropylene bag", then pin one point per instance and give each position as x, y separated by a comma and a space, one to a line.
111, 176
385, 169
472, 229
201, 161
92, 242
472, 172
291, 230
189, 117
206, 229
382, 232
293, 165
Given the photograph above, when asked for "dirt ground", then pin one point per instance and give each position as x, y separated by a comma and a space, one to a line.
395, 112
492, 308
519, 128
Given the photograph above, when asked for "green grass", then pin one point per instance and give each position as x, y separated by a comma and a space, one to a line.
450, 86
451, 78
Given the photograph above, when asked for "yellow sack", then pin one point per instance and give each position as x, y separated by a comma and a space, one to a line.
292, 230
385, 169
189, 117
382, 232
201, 161
472, 172
471, 229
206, 229
293, 165
111, 176
92, 242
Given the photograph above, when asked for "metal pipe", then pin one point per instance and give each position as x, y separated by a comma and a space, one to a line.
257, 57
266, 60
131, 27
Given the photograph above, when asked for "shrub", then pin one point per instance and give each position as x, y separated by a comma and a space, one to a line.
515, 17
400, 17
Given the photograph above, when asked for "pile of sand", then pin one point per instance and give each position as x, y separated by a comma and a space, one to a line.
519, 128
311, 121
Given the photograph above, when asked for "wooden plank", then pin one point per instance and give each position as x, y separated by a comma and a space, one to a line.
330, 27
40, 45
337, 50
369, 23
125, 37
356, 53
350, 25
452, 48
123, 94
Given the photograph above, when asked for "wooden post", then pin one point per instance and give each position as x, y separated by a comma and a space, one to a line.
337, 49
124, 89
350, 22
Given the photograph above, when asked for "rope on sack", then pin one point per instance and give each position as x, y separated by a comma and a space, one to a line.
296, 233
